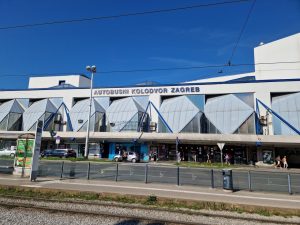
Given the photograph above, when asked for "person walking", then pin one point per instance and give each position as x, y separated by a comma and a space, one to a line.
284, 161
227, 159
278, 162
208, 158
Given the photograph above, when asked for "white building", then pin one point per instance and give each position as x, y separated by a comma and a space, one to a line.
255, 114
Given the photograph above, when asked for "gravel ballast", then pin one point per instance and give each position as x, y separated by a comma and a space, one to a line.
78, 214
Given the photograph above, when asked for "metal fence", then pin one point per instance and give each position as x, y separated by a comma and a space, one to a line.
268, 181
251, 180
6, 165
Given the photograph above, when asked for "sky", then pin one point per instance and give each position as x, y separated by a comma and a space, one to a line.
187, 38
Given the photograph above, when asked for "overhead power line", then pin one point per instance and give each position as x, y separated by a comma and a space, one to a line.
241, 33
195, 67
157, 69
122, 15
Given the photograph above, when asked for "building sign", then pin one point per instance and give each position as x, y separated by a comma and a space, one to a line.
147, 91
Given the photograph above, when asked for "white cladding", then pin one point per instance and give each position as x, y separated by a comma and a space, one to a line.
283, 50
52, 81
222, 78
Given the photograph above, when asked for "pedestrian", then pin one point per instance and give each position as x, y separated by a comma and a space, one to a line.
284, 161
154, 156
278, 162
227, 159
208, 158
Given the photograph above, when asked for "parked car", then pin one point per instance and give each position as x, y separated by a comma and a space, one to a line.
94, 154
8, 152
131, 157
62, 153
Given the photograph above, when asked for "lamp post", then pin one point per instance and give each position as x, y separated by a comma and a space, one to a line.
93, 70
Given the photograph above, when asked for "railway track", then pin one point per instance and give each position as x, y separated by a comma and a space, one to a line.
55, 206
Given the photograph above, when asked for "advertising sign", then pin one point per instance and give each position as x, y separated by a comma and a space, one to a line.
24, 153
268, 157
28, 153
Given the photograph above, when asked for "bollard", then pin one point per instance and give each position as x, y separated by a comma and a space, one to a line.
72, 170
117, 172
249, 181
289, 184
146, 173
212, 179
178, 183
88, 171
62, 169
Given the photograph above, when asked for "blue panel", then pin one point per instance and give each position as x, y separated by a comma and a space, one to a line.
111, 154
144, 153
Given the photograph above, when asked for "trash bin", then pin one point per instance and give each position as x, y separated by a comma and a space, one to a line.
227, 180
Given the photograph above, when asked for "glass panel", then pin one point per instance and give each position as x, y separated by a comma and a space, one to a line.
3, 123
15, 122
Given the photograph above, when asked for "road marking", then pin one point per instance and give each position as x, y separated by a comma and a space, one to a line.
187, 192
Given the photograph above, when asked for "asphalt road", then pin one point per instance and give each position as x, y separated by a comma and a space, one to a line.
260, 180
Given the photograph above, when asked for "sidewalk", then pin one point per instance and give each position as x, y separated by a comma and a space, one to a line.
236, 167
160, 190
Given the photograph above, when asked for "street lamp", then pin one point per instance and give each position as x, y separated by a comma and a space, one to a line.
93, 70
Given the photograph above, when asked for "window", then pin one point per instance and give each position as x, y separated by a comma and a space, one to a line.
61, 82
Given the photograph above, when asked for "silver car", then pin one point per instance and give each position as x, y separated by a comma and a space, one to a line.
131, 157
8, 152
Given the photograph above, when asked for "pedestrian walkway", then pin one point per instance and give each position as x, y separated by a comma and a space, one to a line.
270, 168
160, 190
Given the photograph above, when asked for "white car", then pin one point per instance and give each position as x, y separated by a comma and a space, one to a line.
131, 157
7, 152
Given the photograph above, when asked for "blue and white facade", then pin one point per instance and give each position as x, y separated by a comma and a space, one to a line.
256, 115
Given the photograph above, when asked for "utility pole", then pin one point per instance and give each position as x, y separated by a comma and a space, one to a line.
93, 70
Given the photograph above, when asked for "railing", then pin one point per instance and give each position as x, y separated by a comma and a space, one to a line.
203, 177
252, 180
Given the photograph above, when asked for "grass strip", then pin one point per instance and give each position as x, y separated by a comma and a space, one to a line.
206, 165
152, 200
